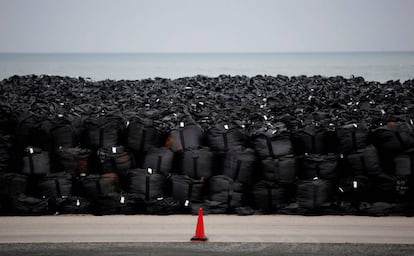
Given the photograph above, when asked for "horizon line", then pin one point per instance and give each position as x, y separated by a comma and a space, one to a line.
212, 52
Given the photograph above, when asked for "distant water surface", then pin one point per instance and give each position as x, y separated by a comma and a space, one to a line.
377, 66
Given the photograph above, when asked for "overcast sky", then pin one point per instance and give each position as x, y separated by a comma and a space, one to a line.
206, 25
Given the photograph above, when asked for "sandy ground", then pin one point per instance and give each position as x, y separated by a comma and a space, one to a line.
228, 235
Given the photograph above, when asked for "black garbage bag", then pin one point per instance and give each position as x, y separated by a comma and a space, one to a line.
197, 163
239, 164
64, 134
185, 137
116, 203
404, 164
274, 142
75, 161
163, 206
384, 188
186, 190
6, 152
313, 194
72, 205
364, 161
313, 139
143, 134
228, 193
270, 196
283, 170
8, 117
56, 185
94, 186
26, 124
354, 189
159, 159
146, 184
36, 161
225, 136
114, 159
33, 130
104, 131
352, 137
27, 205
13, 184
322, 166
394, 138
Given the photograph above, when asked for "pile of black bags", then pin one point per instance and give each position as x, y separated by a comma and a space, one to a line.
245, 145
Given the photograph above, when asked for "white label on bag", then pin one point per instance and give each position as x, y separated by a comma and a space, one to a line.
341, 190
226, 126
31, 151
315, 178
355, 184
186, 203
114, 150
149, 170
122, 200
77, 202
181, 124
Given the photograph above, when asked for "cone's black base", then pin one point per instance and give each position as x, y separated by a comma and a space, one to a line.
199, 239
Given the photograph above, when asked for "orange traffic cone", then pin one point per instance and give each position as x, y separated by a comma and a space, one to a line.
199, 232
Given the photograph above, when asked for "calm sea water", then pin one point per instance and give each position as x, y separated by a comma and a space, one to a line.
370, 65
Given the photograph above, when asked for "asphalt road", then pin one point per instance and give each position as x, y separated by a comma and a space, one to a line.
228, 235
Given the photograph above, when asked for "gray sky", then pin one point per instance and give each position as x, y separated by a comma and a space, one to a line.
206, 25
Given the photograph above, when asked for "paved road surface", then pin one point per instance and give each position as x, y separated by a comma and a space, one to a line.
228, 235
219, 228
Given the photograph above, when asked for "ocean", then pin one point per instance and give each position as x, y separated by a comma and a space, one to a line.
373, 66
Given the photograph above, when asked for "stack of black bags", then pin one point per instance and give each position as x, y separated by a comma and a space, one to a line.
299, 145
